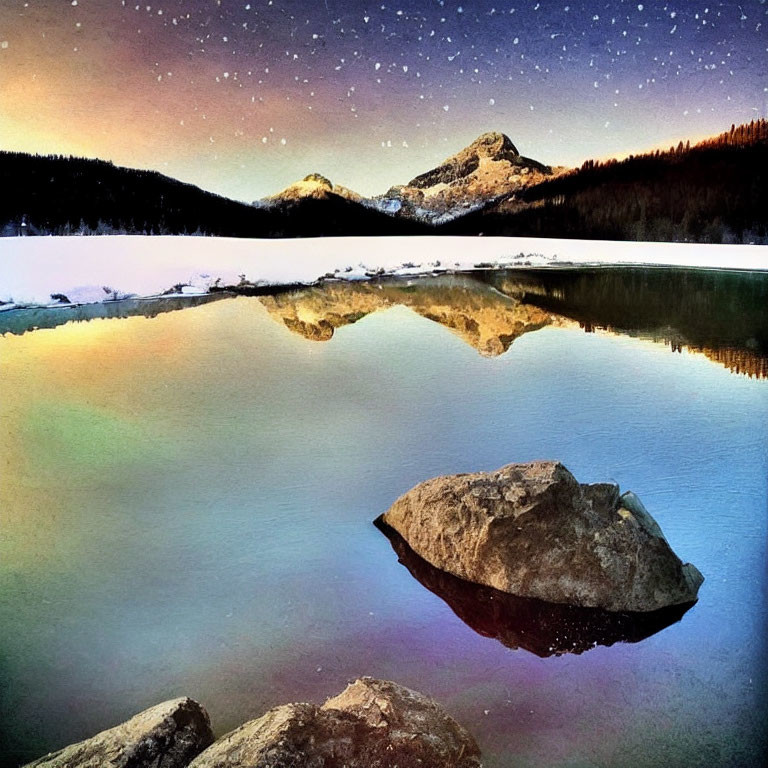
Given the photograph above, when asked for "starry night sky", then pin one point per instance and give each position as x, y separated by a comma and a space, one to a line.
243, 97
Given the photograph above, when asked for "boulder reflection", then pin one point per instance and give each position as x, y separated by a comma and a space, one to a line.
546, 629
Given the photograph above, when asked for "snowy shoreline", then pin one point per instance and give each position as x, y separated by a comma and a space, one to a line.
94, 269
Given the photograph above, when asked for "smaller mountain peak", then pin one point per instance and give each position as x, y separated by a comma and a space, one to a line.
318, 178
494, 145
315, 186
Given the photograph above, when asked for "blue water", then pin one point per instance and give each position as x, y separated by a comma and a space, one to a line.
188, 510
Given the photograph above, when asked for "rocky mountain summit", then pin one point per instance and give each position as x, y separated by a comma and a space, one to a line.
486, 150
488, 169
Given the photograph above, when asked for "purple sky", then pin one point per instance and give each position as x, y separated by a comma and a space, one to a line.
244, 97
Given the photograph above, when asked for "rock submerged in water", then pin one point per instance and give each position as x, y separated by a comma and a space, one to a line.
169, 735
533, 530
371, 724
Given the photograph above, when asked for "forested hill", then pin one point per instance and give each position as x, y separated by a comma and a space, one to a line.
715, 191
65, 195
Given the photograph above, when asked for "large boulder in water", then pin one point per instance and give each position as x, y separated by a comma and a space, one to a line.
533, 530
372, 724
168, 735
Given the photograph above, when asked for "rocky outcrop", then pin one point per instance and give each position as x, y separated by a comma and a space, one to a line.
168, 735
371, 724
416, 729
533, 530
546, 629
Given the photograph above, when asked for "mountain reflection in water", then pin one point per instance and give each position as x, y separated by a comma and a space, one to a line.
718, 313
546, 629
477, 313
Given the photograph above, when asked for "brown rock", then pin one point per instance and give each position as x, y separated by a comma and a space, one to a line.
414, 726
372, 724
532, 530
168, 735
294, 735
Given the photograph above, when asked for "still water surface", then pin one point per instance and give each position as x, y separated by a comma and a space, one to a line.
187, 505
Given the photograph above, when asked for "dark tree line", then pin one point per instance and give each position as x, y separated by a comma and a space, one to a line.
739, 136
715, 191
67, 195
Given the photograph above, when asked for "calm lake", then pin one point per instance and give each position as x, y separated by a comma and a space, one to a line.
187, 503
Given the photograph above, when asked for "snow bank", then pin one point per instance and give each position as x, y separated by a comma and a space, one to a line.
87, 269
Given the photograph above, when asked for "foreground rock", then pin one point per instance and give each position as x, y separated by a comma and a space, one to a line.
372, 724
169, 735
533, 530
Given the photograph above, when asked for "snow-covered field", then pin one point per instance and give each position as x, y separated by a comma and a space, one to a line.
89, 269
